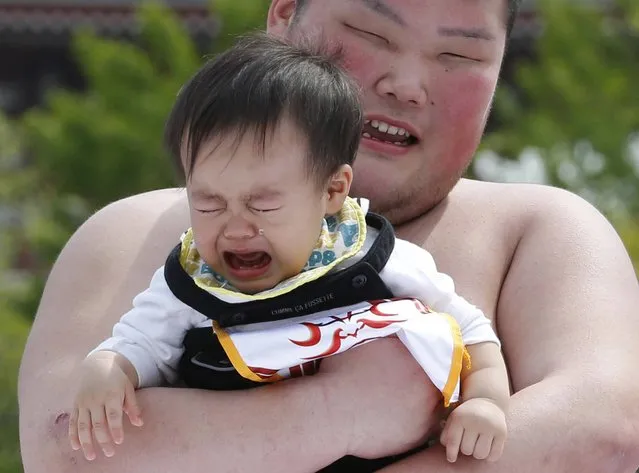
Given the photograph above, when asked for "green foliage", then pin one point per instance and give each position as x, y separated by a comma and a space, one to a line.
12, 338
238, 17
580, 102
13, 328
107, 143
629, 231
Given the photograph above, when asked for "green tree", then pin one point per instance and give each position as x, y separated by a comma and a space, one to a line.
576, 103
238, 17
12, 339
91, 148
13, 328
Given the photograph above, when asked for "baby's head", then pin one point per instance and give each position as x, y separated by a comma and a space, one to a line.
266, 134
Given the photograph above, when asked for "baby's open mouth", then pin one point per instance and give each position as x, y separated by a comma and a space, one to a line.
381, 131
247, 261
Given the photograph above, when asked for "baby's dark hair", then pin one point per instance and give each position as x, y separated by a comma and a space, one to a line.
255, 84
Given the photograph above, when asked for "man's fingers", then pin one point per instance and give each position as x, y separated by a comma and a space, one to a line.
468, 442
84, 433
453, 439
113, 410
483, 447
131, 407
73, 430
101, 429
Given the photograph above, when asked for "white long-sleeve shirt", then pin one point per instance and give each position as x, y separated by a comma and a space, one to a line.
151, 334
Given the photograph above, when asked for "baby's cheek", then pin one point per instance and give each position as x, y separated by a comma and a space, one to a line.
204, 241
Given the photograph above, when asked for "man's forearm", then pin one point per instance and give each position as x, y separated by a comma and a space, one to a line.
554, 426
190, 431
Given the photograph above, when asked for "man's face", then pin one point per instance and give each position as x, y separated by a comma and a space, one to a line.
428, 68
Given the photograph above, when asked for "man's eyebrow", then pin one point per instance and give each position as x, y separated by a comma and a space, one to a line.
381, 7
470, 33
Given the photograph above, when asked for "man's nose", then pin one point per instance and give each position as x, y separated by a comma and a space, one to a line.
406, 84
239, 228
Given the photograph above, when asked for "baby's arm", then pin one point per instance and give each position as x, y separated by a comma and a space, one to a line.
150, 336
487, 377
477, 427
144, 351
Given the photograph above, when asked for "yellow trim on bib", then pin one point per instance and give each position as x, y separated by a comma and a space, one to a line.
235, 358
459, 355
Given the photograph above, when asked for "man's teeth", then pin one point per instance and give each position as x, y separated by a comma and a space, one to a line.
387, 128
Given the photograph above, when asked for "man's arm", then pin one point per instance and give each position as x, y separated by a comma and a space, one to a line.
567, 316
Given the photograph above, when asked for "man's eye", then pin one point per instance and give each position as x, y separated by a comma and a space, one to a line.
263, 211
455, 56
366, 34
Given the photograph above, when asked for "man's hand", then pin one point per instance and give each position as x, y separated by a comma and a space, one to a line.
477, 427
381, 397
105, 392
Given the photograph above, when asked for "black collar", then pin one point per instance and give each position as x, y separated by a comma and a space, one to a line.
341, 288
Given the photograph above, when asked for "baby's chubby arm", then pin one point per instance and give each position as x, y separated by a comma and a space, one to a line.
477, 426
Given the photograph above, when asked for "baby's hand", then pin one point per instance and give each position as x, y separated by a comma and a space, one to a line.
105, 391
477, 427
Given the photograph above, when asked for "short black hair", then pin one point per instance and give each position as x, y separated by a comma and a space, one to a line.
258, 82
513, 9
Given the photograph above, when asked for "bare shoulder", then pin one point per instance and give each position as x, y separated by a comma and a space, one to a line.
139, 210
154, 219
529, 208
557, 227
485, 233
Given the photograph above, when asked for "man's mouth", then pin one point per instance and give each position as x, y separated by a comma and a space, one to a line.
378, 130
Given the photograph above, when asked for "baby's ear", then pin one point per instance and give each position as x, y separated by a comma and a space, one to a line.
338, 188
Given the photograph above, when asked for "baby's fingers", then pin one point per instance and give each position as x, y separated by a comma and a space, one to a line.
497, 448
84, 433
483, 447
101, 430
73, 430
469, 440
451, 439
113, 410
131, 407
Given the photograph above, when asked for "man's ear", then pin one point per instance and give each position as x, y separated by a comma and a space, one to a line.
280, 17
338, 188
